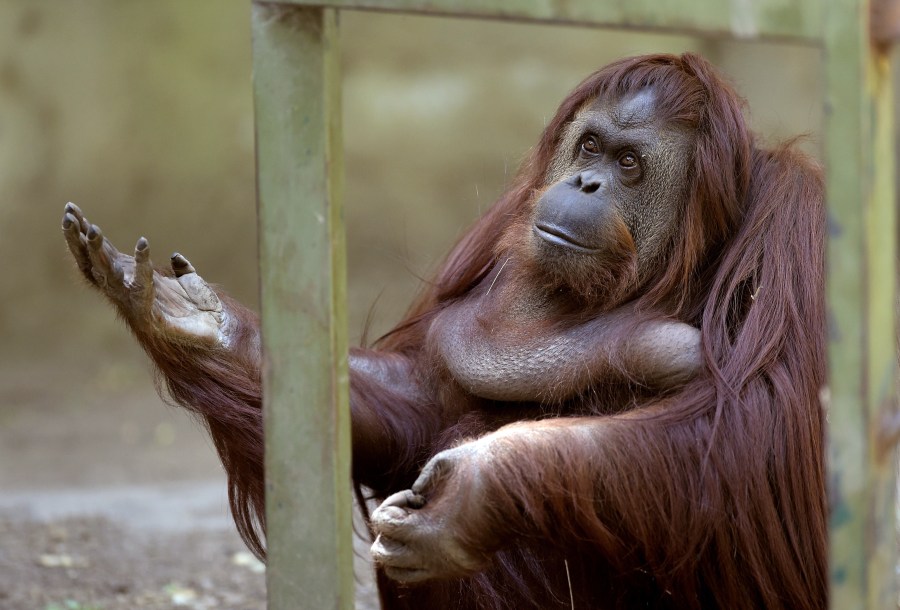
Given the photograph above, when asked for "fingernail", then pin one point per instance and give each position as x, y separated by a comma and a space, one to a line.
181, 265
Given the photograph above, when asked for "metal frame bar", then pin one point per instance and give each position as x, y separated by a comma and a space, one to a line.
303, 271
859, 139
303, 288
797, 20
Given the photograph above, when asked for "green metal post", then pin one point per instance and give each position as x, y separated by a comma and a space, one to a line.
303, 295
861, 297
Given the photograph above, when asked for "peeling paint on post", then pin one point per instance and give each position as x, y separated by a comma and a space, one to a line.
303, 286
861, 297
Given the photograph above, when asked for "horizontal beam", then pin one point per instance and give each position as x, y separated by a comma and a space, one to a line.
790, 20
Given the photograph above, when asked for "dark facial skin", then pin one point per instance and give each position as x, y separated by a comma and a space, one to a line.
617, 167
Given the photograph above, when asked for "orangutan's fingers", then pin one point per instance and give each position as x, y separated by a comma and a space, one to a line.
77, 243
195, 286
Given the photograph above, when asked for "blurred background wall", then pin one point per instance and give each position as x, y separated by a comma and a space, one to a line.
141, 112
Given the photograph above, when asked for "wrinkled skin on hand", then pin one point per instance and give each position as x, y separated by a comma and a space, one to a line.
419, 530
180, 308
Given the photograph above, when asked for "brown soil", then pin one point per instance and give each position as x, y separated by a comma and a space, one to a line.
111, 500
93, 563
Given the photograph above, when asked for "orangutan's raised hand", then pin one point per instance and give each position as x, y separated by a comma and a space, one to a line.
182, 309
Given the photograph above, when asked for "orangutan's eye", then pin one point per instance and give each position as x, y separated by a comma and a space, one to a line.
590, 145
628, 160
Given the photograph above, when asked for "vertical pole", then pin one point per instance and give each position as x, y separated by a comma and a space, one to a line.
861, 297
303, 297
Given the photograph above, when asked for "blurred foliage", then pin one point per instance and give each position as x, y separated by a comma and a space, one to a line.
141, 112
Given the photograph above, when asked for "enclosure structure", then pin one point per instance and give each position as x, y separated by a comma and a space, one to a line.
299, 163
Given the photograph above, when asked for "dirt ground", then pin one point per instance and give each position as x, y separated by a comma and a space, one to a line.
93, 563
116, 502
112, 503
112, 500
85, 517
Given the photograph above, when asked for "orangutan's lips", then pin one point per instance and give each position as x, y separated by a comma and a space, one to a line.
558, 237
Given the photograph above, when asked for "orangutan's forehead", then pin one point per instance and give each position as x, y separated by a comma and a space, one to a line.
632, 114
634, 110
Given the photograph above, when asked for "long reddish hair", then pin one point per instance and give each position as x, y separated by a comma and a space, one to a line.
726, 501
